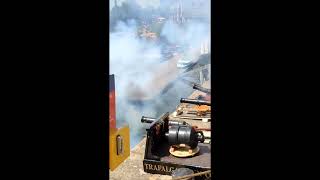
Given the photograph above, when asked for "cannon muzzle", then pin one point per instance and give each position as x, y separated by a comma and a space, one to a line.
147, 119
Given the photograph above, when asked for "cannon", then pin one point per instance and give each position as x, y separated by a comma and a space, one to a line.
195, 101
176, 133
202, 89
151, 120
168, 141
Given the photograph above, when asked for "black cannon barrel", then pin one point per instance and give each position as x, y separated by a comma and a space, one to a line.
195, 101
145, 119
202, 89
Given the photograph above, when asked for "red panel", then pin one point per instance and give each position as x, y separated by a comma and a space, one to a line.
112, 102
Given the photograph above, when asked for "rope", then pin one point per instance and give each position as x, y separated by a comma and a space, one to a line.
192, 175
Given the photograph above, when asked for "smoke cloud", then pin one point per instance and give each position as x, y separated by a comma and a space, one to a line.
193, 33
132, 60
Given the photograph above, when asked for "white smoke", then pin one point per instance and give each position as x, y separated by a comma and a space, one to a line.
193, 33
131, 60
148, 3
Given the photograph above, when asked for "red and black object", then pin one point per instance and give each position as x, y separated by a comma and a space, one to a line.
119, 138
112, 103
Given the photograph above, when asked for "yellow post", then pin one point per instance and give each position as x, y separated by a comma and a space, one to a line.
119, 146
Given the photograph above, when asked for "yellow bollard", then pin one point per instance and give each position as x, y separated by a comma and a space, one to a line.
119, 146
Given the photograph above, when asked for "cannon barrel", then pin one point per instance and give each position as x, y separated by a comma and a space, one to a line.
145, 119
195, 101
151, 120
202, 89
